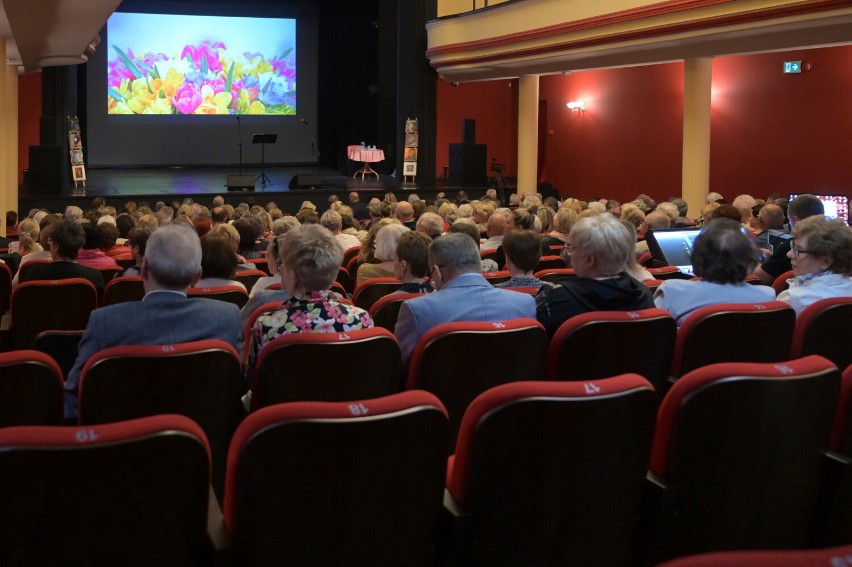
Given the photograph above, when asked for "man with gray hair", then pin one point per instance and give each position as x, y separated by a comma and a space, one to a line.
165, 316
463, 294
430, 224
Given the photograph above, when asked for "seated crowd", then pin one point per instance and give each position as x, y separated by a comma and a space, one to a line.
435, 249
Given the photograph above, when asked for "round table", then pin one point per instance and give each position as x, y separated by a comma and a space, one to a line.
368, 156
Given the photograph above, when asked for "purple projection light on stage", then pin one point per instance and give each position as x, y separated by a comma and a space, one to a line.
175, 64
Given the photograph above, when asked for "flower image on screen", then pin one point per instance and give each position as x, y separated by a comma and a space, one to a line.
173, 64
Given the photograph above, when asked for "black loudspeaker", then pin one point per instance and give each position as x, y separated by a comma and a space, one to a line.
240, 183
46, 170
306, 181
467, 165
469, 131
47, 130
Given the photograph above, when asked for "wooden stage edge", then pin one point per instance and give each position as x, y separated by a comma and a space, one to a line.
120, 185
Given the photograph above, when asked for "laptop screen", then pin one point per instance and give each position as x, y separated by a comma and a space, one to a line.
673, 246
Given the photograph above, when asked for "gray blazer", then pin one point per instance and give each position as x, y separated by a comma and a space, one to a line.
162, 317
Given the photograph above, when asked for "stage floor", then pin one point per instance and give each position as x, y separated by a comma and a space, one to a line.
120, 185
115, 182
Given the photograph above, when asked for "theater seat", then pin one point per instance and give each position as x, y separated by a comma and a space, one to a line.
734, 332
554, 274
780, 283
201, 380
739, 453
386, 310
31, 391
318, 483
134, 492
123, 288
552, 473
459, 361
643, 342
329, 367
550, 263
832, 557
372, 290
49, 305
230, 293
821, 328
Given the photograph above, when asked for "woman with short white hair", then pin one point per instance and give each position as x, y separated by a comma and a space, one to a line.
599, 246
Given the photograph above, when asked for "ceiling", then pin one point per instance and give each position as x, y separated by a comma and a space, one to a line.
51, 32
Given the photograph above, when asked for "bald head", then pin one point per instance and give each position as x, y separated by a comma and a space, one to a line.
404, 211
771, 216
497, 224
658, 220
353, 197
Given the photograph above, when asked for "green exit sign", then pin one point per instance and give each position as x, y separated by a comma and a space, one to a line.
792, 66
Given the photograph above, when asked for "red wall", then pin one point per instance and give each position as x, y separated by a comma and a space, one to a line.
29, 114
629, 139
770, 131
494, 106
785, 133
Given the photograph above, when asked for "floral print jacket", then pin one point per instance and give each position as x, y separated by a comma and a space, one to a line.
309, 312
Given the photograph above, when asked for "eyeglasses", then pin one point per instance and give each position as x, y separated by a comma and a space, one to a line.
432, 271
796, 250
569, 249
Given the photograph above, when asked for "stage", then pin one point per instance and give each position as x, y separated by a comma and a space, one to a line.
120, 185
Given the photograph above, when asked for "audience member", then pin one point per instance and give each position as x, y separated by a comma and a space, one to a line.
28, 239
656, 220
464, 295
386, 239
468, 227
495, 230
11, 224
218, 262
310, 259
743, 204
65, 243
405, 214
770, 217
599, 247
91, 254
722, 256
431, 224
165, 316
523, 251
821, 256
562, 223
800, 208
332, 221
137, 242
411, 263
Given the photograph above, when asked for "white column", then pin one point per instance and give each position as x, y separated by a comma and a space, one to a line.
695, 172
528, 135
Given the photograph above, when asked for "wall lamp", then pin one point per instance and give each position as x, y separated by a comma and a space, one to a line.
577, 106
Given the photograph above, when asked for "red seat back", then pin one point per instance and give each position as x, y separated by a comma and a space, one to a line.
322, 483
459, 361
552, 473
734, 332
85, 495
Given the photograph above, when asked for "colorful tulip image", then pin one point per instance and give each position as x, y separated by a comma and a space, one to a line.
166, 64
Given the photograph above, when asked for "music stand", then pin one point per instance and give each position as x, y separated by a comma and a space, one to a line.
263, 139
